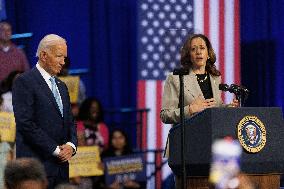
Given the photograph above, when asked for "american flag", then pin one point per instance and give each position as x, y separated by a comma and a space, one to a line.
163, 26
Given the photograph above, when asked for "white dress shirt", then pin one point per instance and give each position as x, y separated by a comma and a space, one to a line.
46, 76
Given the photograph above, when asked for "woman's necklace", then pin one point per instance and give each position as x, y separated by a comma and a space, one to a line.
198, 77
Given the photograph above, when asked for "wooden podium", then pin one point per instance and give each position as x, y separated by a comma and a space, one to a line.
262, 168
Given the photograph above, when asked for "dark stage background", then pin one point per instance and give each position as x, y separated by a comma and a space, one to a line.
262, 43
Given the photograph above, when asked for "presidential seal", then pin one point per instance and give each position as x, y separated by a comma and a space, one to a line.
251, 134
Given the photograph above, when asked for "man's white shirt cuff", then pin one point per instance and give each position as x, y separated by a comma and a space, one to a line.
56, 151
73, 146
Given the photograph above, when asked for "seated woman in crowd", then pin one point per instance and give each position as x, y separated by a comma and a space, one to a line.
91, 131
6, 92
119, 146
91, 128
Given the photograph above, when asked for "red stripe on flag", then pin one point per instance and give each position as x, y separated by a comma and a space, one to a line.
237, 42
141, 96
158, 133
158, 109
206, 17
221, 40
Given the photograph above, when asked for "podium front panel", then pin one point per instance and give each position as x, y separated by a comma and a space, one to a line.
211, 124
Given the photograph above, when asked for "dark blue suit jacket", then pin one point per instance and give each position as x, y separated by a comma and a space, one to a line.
39, 124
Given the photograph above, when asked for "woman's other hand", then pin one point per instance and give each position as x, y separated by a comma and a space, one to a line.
199, 104
235, 103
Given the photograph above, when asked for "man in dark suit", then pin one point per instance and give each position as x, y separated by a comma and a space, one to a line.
44, 122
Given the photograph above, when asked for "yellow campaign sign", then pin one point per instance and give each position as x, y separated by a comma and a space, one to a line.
7, 127
85, 162
72, 83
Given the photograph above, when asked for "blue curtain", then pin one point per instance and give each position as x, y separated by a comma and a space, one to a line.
113, 44
101, 36
262, 55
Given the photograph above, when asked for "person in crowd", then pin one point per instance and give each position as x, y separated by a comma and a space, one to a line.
25, 173
91, 127
91, 130
6, 91
83, 182
67, 186
82, 87
119, 146
11, 58
6, 154
201, 86
41, 103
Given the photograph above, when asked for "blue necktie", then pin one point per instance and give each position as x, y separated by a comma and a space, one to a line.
56, 95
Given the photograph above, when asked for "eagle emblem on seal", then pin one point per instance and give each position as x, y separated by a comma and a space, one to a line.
251, 134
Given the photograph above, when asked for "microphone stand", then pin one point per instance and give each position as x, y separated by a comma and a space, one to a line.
241, 95
240, 92
181, 72
240, 99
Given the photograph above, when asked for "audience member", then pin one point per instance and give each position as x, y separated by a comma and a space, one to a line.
82, 89
25, 173
91, 130
119, 146
11, 58
6, 91
83, 182
91, 127
6, 154
66, 186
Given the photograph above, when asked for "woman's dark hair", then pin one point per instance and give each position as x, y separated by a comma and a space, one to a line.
7, 83
185, 55
84, 110
127, 148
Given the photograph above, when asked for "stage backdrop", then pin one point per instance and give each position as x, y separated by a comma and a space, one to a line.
121, 42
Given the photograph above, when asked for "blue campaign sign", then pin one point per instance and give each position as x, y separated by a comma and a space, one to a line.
122, 168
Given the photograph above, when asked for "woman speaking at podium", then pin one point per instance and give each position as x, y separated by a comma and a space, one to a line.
201, 86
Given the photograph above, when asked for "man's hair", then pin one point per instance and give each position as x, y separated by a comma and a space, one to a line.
48, 41
23, 169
